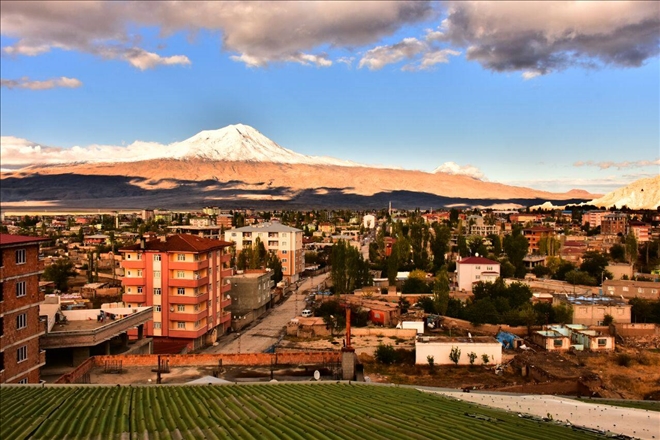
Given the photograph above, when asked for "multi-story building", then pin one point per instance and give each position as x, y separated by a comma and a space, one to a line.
185, 279
614, 224
285, 241
251, 296
641, 230
224, 220
477, 226
594, 218
20, 327
535, 234
474, 269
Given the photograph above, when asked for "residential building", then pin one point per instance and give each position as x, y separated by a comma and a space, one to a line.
577, 336
224, 221
474, 269
535, 234
251, 296
200, 221
369, 221
641, 230
285, 241
326, 228
20, 327
477, 226
594, 218
206, 231
620, 270
632, 289
591, 309
185, 278
96, 240
614, 224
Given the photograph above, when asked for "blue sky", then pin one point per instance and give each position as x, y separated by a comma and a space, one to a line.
575, 114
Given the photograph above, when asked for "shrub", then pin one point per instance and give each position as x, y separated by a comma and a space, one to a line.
455, 355
623, 359
485, 359
385, 354
608, 319
472, 356
431, 360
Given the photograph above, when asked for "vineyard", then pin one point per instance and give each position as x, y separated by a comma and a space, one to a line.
272, 411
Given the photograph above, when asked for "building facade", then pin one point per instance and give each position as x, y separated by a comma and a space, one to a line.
614, 224
474, 269
534, 236
251, 296
185, 279
594, 218
285, 241
20, 327
632, 289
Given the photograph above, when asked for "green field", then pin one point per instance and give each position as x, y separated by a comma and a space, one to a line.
273, 411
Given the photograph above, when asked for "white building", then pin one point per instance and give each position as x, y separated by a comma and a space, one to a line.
474, 269
440, 348
285, 241
369, 221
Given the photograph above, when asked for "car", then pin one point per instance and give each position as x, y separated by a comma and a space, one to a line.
306, 313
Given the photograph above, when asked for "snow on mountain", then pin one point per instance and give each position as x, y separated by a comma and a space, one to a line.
641, 194
245, 144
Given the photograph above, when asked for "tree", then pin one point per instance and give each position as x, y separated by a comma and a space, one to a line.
441, 293
485, 359
439, 244
59, 273
385, 354
618, 253
608, 319
563, 313
472, 356
631, 248
580, 277
431, 360
349, 269
455, 355
594, 264
516, 246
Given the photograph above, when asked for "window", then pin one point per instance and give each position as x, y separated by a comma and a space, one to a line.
156, 274
157, 291
139, 272
602, 342
156, 257
477, 277
180, 274
625, 288
181, 308
181, 291
196, 308
181, 257
139, 289
2, 360
23, 381
284, 252
21, 321
157, 325
2, 328
477, 267
181, 325
21, 354
158, 308
139, 256
20, 256
283, 260
128, 256
558, 343
2, 292
284, 243
20, 289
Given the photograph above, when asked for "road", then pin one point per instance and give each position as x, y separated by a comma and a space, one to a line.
258, 337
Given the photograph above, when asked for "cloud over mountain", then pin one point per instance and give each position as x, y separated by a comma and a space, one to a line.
456, 169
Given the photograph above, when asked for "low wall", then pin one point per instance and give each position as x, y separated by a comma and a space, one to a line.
629, 330
409, 333
204, 360
488, 329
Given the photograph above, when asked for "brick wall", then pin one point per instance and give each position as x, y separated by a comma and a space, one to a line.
205, 360
395, 332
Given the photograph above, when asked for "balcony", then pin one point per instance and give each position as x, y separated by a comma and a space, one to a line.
134, 298
188, 282
225, 318
187, 334
133, 264
227, 273
187, 299
225, 303
225, 288
133, 281
188, 265
188, 317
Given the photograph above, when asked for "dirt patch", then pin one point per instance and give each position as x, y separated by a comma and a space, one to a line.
362, 344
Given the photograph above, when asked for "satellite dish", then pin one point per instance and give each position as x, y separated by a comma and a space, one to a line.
317, 375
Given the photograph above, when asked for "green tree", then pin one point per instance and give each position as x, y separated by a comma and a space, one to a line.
59, 273
455, 355
441, 293
618, 253
349, 269
563, 313
516, 246
439, 244
631, 248
594, 263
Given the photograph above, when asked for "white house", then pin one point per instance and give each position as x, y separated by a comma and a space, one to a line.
369, 221
474, 269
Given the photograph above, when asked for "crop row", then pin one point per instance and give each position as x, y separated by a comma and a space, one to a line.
276, 411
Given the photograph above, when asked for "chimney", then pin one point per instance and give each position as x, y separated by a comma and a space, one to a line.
143, 242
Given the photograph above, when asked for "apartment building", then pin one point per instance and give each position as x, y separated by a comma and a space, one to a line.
594, 218
478, 226
285, 241
474, 269
641, 230
632, 289
185, 278
614, 224
535, 234
20, 327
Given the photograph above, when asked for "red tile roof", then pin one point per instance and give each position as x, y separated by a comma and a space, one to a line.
180, 243
8, 239
477, 260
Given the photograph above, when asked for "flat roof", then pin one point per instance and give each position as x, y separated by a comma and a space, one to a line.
9, 239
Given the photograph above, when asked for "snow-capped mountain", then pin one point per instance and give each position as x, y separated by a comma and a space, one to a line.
243, 143
641, 194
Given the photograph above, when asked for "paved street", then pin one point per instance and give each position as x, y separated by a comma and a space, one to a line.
262, 335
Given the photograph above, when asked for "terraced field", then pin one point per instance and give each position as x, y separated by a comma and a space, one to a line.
273, 411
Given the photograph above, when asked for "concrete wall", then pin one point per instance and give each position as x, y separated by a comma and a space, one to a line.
390, 332
440, 352
588, 314
201, 360
628, 330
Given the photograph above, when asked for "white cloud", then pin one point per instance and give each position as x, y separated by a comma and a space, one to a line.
531, 74
26, 83
380, 56
346, 60
454, 168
